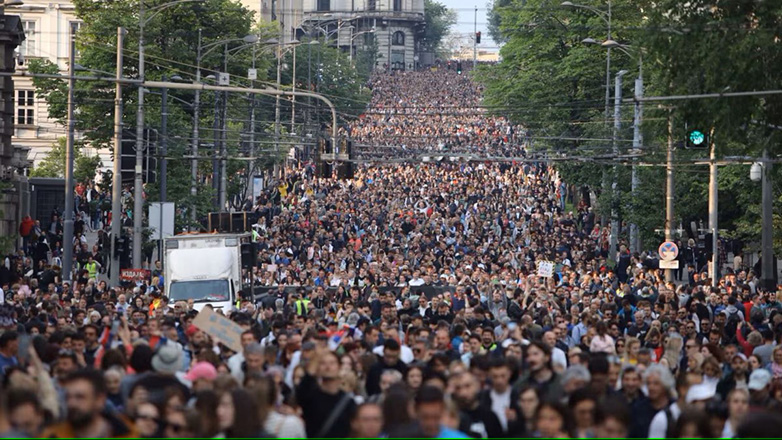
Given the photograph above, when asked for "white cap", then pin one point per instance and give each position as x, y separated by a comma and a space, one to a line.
759, 379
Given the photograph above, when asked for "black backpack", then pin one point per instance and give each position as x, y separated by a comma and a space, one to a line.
731, 325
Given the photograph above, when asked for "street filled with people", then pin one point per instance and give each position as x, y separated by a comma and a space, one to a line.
447, 299
431, 112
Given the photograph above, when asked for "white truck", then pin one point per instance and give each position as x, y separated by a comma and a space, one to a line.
206, 268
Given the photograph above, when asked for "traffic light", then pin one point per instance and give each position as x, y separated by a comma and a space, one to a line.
697, 139
459, 67
478, 37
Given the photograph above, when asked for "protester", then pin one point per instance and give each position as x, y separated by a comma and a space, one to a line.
409, 300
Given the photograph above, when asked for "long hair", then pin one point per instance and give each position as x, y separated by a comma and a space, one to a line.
264, 390
246, 423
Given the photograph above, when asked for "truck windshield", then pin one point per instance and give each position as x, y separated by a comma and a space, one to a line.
200, 290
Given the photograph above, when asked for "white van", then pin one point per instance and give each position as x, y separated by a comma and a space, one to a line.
206, 268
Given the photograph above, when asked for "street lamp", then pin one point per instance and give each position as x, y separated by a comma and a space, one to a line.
249, 39
137, 181
609, 44
353, 37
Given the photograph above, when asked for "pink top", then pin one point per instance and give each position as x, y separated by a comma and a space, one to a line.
603, 344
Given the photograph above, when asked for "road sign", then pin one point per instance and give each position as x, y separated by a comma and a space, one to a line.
252, 74
161, 219
668, 251
669, 264
224, 79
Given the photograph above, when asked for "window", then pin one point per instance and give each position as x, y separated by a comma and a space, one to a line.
324, 5
25, 107
371, 5
28, 46
397, 5
399, 38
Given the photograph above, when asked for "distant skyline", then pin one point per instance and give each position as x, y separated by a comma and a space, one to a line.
466, 19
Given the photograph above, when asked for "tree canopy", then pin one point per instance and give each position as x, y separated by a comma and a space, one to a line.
553, 83
439, 20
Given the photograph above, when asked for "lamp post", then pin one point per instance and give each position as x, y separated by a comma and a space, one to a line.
67, 242
635, 240
635, 244
615, 149
138, 181
204, 50
353, 37
761, 171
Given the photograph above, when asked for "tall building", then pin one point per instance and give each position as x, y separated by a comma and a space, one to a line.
47, 27
394, 27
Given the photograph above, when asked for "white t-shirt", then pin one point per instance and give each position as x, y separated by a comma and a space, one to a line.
558, 357
659, 425
405, 354
499, 403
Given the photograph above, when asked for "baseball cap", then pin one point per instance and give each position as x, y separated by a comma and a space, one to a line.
191, 330
740, 355
759, 379
201, 370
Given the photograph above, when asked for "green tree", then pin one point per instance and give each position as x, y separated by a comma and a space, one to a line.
494, 18
53, 164
706, 47
172, 41
439, 20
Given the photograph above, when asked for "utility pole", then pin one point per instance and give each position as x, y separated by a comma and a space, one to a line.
67, 245
194, 162
475, 38
216, 148
116, 190
293, 88
277, 98
615, 147
164, 142
138, 191
635, 241
223, 140
713, 206
669, 194
767, 236
251, 176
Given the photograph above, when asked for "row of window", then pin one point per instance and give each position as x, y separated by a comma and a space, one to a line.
325, 5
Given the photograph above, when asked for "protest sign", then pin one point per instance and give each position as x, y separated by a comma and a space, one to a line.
220, 327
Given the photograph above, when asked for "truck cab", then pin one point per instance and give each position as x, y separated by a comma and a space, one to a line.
205, 268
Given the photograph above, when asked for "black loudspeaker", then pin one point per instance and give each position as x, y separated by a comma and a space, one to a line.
249, 255
239, 222
227, 222
345, 170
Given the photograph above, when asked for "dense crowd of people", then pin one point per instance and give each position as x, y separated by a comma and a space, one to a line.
431, 112
407, 301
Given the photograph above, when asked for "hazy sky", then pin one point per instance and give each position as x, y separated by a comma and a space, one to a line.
465, 9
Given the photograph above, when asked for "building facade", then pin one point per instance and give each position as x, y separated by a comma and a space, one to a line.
46, 25
393, 27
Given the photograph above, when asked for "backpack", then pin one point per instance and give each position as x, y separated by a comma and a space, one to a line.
731, 324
